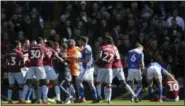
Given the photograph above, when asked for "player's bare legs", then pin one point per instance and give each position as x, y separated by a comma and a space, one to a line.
138, 89
124, 84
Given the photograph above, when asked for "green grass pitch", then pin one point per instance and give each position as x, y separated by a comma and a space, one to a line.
113, 102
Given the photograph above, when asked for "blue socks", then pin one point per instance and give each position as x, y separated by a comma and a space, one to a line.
94, 93
150, 92
138, 91
81, 89
160, 91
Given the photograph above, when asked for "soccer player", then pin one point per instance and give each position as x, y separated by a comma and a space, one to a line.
135, 59
171, 90
14, 62
155, 71
36, 55
50, 71
104, 74
117, 68
86, 70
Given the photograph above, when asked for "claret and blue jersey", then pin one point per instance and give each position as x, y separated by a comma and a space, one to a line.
134, 58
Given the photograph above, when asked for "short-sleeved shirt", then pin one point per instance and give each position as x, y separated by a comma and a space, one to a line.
49, 56
107, 54
117, 63
36, 55
87, 52
15, 60
171, 89
135, 57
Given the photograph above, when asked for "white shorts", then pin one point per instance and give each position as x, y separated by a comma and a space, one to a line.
50, 73
17, 76
38, 72
154, 72
104, 75
86, 75
134, 74
119, 73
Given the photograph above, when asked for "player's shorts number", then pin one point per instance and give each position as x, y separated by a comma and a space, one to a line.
133, 58
107, 56
173, 87
35, 54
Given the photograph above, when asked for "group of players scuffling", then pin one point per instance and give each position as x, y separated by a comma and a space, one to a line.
42, 63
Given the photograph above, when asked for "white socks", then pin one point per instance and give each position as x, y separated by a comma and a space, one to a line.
107, 93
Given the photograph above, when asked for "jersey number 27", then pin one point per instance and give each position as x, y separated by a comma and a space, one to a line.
107, 57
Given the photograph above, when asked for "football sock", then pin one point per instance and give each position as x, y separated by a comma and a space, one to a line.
130, 90
33, 93
106, 93
109, 94
81, 89
150, 92
57, 92
160, 91
98, 90
39, 93
9, 94
20, 94
138, 91
25, 90
44, 91
30, 91
94, 93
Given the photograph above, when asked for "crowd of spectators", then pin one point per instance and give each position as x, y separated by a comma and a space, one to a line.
157, 25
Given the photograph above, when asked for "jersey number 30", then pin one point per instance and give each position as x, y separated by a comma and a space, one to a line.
35, 54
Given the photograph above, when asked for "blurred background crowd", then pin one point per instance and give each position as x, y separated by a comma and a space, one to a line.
157, 25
